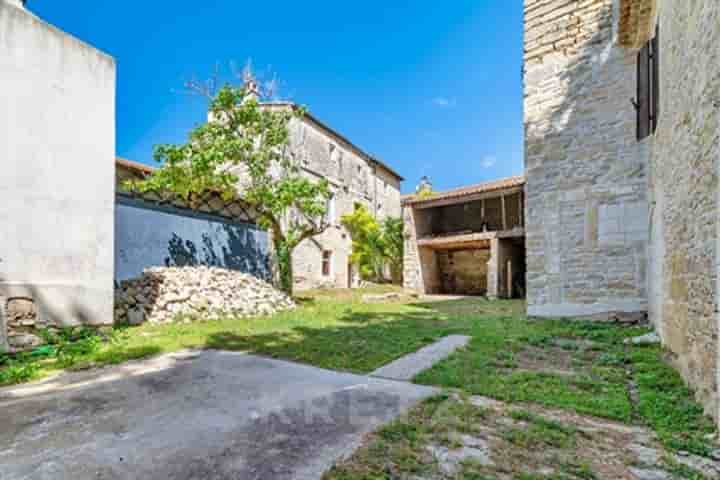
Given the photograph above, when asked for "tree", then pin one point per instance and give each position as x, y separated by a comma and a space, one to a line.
375, 245
244, 154
394, 246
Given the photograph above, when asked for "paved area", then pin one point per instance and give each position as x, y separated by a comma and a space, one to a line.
407, 367
195, 415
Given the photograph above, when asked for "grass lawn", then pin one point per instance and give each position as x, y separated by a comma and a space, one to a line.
576, 366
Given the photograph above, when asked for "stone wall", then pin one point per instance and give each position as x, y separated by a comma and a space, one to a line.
684, 183
354, 179
587, 202
57, 117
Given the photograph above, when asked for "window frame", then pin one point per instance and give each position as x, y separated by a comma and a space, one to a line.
326, 263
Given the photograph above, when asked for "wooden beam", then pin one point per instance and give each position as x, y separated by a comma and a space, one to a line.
521, 214
441, 202
504, 213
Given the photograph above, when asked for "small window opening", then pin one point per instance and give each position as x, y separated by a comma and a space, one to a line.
326, 263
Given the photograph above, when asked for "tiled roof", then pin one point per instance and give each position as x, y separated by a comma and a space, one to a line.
485, 187
137, 166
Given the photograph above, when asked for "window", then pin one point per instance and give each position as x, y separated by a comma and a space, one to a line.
326, 263
330, 210
647, 103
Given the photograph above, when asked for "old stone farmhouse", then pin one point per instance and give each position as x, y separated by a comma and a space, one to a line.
622, 122
356, 178
467, 241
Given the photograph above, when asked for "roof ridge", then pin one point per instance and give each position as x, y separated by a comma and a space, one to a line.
482, 187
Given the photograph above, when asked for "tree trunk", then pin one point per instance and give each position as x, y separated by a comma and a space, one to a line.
283, 255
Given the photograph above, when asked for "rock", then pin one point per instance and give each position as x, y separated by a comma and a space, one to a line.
450, 461
24, 341
652, 474
715, 454
645, 455
706, 466
165, 294
648, 339
381, 297
136, 316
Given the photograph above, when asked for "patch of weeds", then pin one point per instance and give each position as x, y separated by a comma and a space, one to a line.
71, 352
472, 470
18, 372
667, 405
579, 470
540, 431
612, 359
505, 359
539, 340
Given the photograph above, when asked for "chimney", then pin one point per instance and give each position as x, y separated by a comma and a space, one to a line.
425, 186
252, 91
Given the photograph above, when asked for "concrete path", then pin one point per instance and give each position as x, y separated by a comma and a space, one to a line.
407, 367
196, 415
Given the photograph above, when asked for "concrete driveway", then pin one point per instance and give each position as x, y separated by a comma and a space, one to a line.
194, 415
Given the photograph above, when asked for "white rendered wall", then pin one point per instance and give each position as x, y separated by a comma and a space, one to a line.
57, 188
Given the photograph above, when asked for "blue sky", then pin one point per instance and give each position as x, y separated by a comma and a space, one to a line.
432, 88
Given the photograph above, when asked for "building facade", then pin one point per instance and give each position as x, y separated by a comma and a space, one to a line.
57, 179
622, 122
356, 178
468, 241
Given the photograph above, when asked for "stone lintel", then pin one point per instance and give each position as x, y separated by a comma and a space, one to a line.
636, 22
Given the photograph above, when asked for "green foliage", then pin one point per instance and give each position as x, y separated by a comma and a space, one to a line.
245, 136
667, 405
539, 432
394, 246
18, 372
375, 245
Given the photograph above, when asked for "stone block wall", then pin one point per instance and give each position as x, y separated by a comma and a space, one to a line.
587, 202
685, 167
354, 180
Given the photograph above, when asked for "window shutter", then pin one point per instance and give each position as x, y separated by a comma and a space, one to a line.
655, 104
643, 93
648, 87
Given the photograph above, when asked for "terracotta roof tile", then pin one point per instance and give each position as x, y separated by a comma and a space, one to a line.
137, 166
484, 187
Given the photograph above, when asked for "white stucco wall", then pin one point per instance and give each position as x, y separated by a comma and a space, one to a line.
57, 149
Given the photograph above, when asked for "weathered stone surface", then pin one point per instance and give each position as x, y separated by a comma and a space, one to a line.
650, 474
648, 339
450, 460
685, 166
355, 179
167, 294
381, 297
587, 205
23, 341
405, 368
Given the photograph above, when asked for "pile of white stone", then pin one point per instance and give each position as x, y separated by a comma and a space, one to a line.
195, 293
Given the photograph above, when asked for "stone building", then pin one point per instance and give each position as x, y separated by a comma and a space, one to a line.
622, 122
57, 156
356, 178
468, 241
